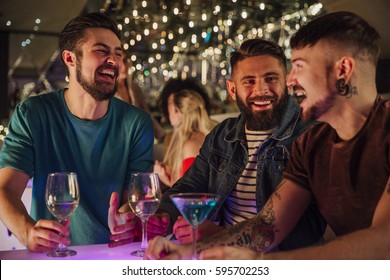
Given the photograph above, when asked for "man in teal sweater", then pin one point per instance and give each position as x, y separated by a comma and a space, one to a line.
81, 129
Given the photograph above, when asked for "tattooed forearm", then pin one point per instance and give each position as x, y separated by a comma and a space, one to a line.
237, 235
263, 231
257, 233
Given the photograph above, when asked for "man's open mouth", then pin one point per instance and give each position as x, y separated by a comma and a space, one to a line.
299, 96
109, 73
263, 101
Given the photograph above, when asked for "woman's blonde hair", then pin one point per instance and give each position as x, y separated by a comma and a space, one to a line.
194, 119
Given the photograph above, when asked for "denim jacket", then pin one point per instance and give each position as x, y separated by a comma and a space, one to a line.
223, 158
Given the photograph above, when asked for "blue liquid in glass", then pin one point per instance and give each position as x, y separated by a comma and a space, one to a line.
195, 211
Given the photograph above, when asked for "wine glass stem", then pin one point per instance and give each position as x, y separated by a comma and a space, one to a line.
194, 254
60, 246
144, 243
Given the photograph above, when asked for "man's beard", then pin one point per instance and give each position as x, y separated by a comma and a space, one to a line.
263, 120
99, 90
315, 111
318, 109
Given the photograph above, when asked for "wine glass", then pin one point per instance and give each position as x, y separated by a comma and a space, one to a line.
62, 198
194, 207
144, 197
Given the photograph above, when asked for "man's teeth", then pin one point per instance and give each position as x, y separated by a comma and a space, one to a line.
262, 103
299, 96
108, 72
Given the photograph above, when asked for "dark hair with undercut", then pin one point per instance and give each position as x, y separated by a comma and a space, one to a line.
257, 47
345, 30
73, 33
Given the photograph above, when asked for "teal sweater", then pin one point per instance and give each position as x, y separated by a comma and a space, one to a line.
45, 137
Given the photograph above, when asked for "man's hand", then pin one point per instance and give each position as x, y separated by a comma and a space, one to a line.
183, 230
229, 253
158, 225
122, 223
162, 248
46, 235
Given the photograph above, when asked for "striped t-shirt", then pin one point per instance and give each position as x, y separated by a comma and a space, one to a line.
240, 205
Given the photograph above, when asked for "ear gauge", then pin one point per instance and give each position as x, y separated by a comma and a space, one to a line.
345, 89
342, 88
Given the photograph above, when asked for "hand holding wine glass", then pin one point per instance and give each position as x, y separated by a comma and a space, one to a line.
144, 197
62, 198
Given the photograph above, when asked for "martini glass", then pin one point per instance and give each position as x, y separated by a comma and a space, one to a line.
194, 207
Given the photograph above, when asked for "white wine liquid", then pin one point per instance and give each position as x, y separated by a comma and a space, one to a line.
62, 210
144, 208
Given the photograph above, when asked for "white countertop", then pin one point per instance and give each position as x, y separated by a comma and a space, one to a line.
86, 252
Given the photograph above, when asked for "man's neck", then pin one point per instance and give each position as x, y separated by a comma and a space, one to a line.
350, 115
82, 105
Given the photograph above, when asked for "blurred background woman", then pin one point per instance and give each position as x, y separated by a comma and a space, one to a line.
191, 123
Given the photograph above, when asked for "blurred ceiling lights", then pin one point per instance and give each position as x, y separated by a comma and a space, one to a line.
172, 38
181, 38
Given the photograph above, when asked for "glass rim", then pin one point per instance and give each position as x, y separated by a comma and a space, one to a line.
140, 172
184, 195
62, 173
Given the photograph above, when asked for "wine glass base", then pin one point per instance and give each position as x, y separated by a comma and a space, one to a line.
138, 253
61, 254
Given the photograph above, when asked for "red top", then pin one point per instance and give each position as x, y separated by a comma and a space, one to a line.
187, 162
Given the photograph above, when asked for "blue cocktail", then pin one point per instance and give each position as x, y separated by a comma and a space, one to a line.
194, 207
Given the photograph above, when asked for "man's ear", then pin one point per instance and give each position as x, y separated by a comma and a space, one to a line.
345, 67
231, 87
69, 58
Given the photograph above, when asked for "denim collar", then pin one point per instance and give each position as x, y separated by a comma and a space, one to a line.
282, 131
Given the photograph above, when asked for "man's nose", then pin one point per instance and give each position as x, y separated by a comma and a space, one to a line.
113, 59
261, 88
290, 81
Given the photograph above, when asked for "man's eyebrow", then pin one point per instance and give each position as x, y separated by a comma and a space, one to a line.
297, 60
100, 44
247, 77
271, 73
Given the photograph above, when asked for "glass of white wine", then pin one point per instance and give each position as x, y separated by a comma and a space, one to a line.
62, 198
144, 197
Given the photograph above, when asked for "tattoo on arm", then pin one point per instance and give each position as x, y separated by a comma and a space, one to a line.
263, 231
257, 233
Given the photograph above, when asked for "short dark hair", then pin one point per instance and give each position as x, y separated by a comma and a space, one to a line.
73, 33
257, 47
343, 29
176, 85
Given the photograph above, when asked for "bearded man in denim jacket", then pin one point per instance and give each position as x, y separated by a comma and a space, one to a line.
243, 158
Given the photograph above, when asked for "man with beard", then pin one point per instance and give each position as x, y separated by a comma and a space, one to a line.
242, 159
79, 129
343, 164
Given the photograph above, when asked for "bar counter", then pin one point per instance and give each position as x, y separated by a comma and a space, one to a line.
85, 252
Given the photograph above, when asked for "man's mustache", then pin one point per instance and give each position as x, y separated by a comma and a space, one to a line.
263, 98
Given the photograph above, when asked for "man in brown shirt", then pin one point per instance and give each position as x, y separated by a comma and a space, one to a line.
343, 164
